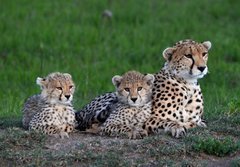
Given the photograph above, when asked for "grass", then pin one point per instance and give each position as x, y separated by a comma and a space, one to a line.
21, 148
39, 37
218, 147
42, 37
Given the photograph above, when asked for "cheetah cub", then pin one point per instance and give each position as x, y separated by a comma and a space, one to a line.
51, 112
134, 92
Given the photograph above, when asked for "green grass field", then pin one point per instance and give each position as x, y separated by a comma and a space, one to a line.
40, 37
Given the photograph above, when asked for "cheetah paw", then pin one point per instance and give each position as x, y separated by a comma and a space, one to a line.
62, 135
202, 124
137, 134
178, 132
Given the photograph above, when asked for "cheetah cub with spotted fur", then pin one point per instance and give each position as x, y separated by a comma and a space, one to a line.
134, 92
51, 112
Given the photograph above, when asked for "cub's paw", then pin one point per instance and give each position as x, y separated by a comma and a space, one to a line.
62, 135
137, 134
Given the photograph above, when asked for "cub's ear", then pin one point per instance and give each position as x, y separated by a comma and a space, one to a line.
150, 79
167, 53
116, 80
207, 44
41, 82
68, 75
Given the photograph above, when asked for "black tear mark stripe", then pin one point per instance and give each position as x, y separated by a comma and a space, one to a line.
193, 62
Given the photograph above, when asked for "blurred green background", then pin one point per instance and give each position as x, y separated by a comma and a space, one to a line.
40, 37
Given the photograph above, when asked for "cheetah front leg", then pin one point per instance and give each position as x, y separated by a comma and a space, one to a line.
137, 133
200, 122
50, 130
55, 131
61, 134
58, 131
116, 130
194, 122
156, 125
65, 129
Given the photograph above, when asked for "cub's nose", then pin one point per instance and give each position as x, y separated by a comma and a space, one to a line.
67, 96
134, 99
201, 68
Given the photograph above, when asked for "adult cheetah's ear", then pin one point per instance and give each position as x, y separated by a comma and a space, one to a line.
207, 44
150, 79
116, 80
167, 53
41, 82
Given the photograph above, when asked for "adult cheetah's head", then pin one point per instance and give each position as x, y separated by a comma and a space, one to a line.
57, 87
134, 88
187, 59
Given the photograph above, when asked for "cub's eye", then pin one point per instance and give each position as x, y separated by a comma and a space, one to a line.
204, 54
70, 87
59, 88
188, 56
139, 88
127, 89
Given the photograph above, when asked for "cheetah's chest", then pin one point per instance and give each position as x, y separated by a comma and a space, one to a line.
176, 99
144, 112
194, 104
63, 114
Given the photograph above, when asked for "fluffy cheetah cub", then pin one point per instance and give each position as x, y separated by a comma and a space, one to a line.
134, 92
51, 112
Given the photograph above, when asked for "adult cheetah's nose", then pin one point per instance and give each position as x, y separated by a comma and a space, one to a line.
134, 99
67, 96
202, 68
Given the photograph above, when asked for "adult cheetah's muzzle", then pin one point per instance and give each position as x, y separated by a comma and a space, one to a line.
201, 68
67, 96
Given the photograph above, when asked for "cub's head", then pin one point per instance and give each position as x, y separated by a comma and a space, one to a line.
187, 59
134, 88
57, 88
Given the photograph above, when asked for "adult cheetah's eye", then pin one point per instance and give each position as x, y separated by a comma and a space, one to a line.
204, 54
188, 56
70, 87
59, 88
139, 88
127, 89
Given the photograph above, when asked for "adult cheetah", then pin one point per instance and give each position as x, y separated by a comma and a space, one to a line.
177, 98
